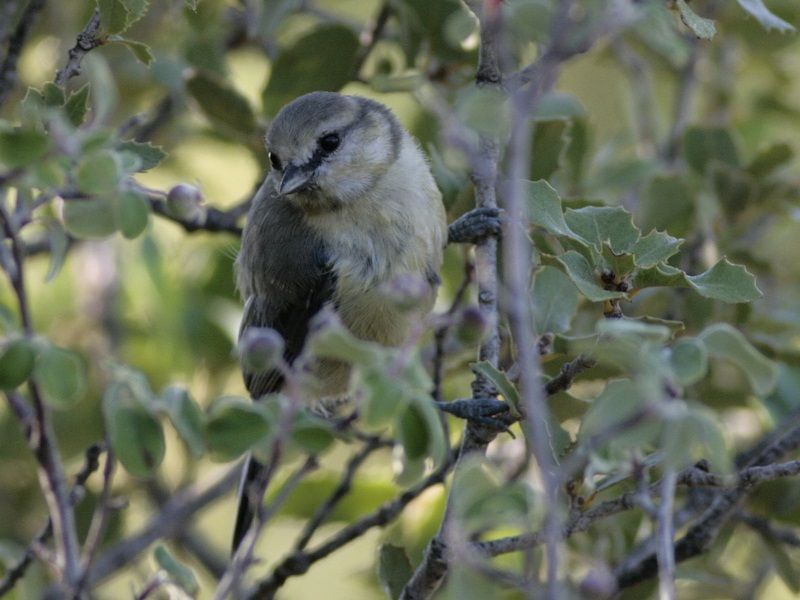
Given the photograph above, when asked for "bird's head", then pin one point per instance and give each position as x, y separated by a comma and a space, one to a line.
328, 150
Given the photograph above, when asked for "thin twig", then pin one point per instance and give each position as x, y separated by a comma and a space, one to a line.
342, 489
182, 508
665, 534
17, 571
429, 573
41, 437
99, 523
299, 563
8, 69
86, 41
242, 558
189, 539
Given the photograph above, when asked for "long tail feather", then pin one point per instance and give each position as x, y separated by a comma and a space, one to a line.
246, 511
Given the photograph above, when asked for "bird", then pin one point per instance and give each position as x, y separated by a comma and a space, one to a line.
348, 206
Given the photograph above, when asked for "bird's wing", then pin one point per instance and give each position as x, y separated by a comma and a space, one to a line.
289, 315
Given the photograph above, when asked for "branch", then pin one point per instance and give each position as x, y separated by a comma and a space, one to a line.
39, 432
17, 571
299, 562
243, 557
569, 371
429, 573
665, 552
213, 220
325, 509
702, 534
644, 107
8, 69
687, 83
86, 41
190, 540
768, 530
169, 522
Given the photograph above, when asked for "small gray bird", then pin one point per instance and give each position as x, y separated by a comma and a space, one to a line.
349, 205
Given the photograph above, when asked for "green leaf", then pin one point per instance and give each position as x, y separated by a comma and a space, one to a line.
75, 107
61, 375
131, 213
500, 381
53, 95
140, 50
384, 397
634, 328
654, 248
325, 57
419, 433
724, 281
59, 243
89, 219
770, 158
17, 361
22, 147
689, 361
137, 9
727, 282
312, 434
694, 433
702, 28
734, 188
703, 145
723, 341
99, 172
550, 140
135, 434
413, 433
179, 574
584, 277
555, 301
150, 155
394, 569
338, 343
604, 224
768, 19
480, 502
712, 438
559, 105
668, 204
544, 209
186, 417
619, 400
222, 103
114, 16
105, 94
484, 110
785, 567
233, 426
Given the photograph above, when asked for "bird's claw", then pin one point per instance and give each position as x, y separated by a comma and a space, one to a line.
475, 225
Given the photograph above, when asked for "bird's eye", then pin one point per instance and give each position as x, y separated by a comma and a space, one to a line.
329, 142
275, 161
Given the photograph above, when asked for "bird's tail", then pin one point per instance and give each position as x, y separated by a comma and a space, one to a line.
246, 511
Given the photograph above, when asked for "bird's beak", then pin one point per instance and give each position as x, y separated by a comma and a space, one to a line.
295, 179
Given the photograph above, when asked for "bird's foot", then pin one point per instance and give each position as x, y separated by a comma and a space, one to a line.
475, 225
487, 412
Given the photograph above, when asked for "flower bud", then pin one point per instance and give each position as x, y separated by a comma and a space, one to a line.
407, 290
599, 583
185, 202
471, 326
260, 348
